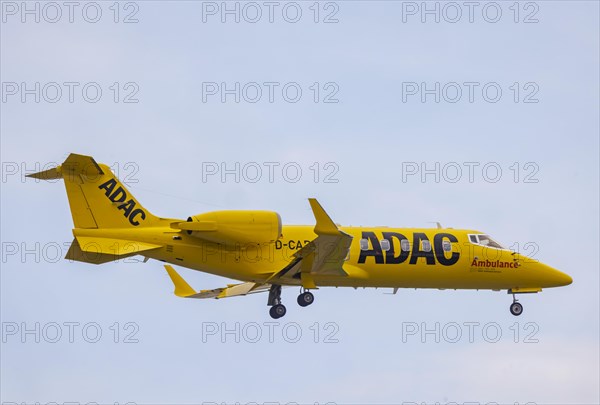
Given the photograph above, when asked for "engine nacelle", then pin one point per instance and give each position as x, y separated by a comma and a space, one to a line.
231, 227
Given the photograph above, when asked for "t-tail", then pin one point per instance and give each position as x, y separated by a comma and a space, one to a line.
98, 200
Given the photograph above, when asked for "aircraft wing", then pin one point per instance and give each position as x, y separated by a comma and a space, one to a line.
183, 289
324, 256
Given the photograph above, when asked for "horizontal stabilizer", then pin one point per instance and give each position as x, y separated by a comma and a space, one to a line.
114, 247
50, 174
74, 165
76, 254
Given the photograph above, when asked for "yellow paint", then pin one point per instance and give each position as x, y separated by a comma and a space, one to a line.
254, 246
182, 288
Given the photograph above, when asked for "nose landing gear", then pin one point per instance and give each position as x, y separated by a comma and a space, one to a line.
516, 308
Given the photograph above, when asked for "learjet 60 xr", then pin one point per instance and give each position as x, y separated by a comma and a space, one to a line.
255, 248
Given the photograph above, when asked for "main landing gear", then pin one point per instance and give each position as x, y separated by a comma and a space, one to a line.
306, 298
516, 308
278, 310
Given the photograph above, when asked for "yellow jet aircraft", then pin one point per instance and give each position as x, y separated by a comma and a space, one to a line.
257, 249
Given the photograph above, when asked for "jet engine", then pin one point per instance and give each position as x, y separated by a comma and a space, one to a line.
231, 227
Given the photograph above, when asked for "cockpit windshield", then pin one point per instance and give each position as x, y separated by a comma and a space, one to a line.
485, 240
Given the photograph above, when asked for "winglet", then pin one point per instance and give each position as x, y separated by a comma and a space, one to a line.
182, 288
324, 226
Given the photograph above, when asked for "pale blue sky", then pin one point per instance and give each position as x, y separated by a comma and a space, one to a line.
368, 134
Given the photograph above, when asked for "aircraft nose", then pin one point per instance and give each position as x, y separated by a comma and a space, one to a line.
559, 278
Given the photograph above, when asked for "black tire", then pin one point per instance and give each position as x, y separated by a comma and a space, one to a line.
277, 311
305, 299
516, 308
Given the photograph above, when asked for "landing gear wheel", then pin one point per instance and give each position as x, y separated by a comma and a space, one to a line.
305, 299
277, 311
516, 308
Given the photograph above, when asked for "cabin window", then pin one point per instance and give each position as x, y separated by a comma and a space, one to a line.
405, 245
473, 238
426, 246
447, 246
364, 244
385, 245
